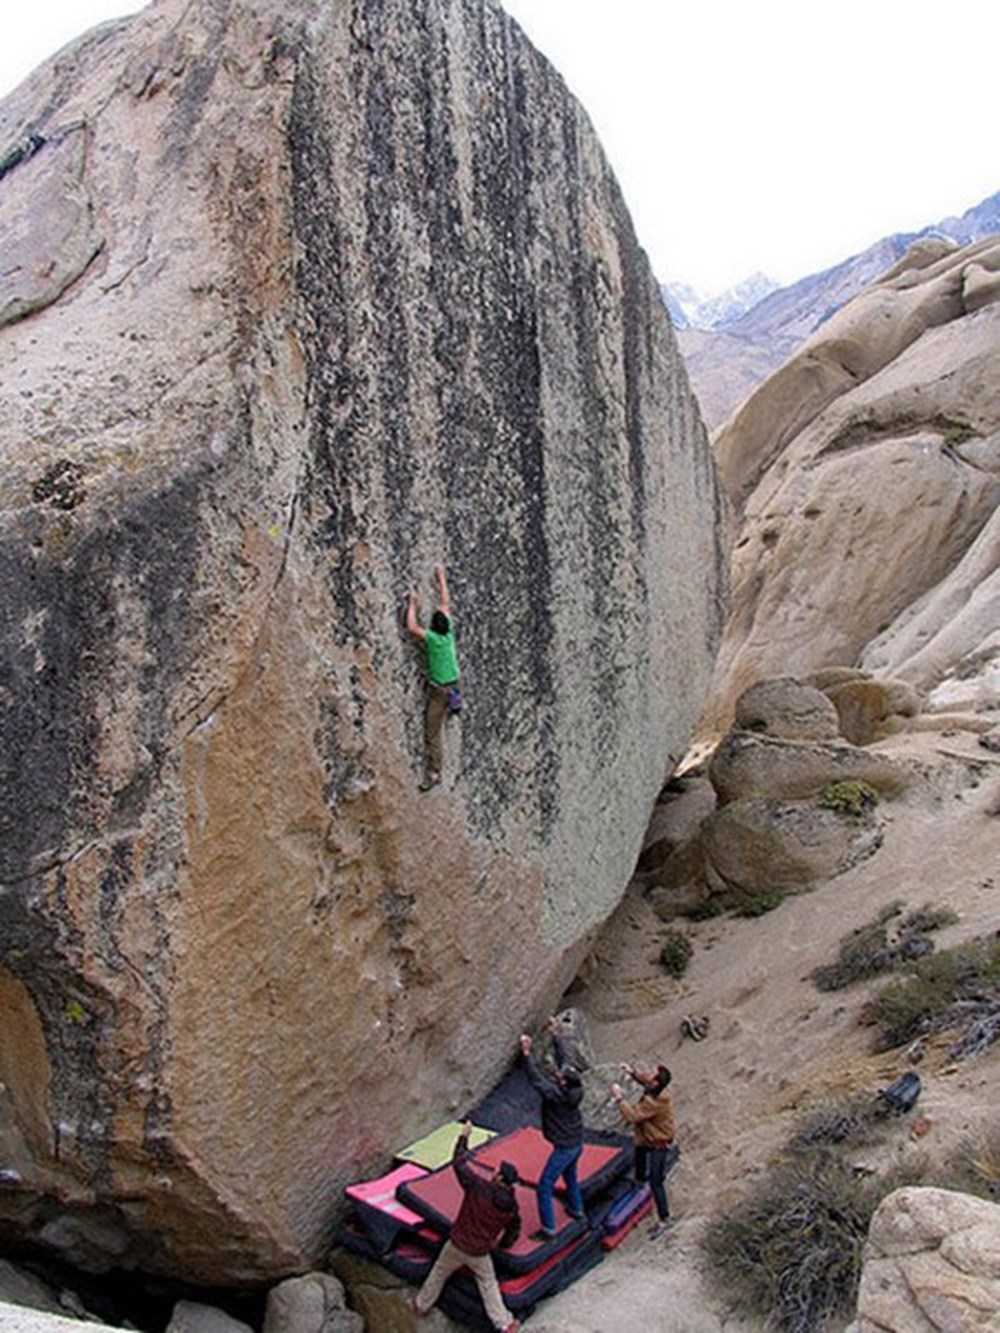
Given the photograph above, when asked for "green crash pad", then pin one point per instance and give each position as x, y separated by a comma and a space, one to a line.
435, 1149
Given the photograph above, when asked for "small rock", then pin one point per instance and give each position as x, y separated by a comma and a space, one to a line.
190, 1317
313, 1303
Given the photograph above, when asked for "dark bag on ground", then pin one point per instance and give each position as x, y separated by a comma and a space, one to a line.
902, 1095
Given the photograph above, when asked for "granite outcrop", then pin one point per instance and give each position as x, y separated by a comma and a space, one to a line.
865, 480
932, 1261
296, 301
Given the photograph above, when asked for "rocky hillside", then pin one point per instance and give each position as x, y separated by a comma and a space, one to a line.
865, 480
296, 301
728, 358
775, 1051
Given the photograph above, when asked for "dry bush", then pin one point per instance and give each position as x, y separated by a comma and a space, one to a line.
853, 1120
974, 1167
791, 1253
874, 949
958, 988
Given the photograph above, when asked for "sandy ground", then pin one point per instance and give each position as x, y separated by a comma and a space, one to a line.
777, 1046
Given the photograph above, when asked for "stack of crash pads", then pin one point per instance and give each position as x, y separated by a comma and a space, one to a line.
402, 1219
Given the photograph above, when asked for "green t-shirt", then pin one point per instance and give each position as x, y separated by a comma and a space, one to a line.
442, 658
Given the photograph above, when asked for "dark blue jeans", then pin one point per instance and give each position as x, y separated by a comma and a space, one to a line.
651, 1166
562, 1162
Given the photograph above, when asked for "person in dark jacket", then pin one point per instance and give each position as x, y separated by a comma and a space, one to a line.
489, 1214
562, 1125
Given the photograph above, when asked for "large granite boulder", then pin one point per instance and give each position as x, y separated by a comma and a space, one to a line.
869, 709
787, 708
865, 476
748, 766
932, 1262
300, 298
766, 846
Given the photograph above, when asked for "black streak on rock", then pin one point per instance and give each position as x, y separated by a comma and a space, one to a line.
52, 675
335, 387
64, 637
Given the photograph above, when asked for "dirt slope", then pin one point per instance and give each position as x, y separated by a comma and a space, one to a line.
776, 1044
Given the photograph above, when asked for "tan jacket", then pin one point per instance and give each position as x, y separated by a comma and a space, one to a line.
651, 1118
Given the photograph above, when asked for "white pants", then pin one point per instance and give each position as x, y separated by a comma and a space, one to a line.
480, 1266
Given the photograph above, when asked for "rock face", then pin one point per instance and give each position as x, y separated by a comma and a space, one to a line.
865, 475
299, 299
932, 1262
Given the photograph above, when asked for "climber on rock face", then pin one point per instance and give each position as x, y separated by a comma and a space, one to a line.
443, 691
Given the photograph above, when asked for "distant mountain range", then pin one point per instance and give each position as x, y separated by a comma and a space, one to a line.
689, 310
735, 340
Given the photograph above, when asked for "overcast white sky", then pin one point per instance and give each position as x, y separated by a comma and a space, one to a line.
748, 135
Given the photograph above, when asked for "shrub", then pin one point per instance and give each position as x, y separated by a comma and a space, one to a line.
867, 951
928, 918
791, 1252
862, 954
708, 910
756, 904
909, 1008
959, 986
974, 1167
956, 432
740, 904
676, 953
849, 1121
850, 797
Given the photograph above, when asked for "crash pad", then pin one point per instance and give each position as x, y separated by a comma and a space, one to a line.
522, 1292
626, 1214
600, 1163
436, 1148
410, 1255
438, 1197
377, 1207
626, 1205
